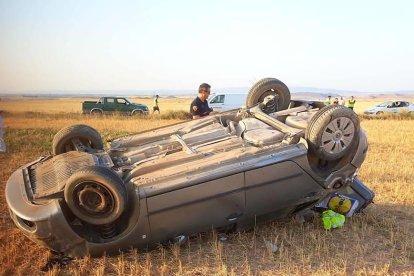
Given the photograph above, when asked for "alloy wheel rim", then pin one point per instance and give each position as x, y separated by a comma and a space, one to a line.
338, 135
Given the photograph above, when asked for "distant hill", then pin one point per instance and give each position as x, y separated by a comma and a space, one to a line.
297, 92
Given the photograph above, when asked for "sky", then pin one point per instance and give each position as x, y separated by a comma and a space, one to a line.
62, 45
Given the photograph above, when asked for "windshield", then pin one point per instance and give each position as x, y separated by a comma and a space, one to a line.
385, 104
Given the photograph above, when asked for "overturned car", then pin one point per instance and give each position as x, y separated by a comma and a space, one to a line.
272, 159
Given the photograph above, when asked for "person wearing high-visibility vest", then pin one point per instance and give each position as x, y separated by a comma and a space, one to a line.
155, 106
328, 100
351, 103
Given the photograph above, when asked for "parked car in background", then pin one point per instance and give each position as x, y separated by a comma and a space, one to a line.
110, 105
226, 101
390, 107
228, 171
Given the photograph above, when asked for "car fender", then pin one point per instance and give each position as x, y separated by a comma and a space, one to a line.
137, 110
93, 109
339, 178
362, 149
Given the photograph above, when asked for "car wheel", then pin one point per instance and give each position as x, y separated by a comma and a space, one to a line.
379, 113
266, 87
96, 195
96, 112
77, 137
332, 132
137, 113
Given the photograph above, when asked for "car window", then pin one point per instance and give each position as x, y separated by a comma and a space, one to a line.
110, 100
403, 104
218, 99
121, 101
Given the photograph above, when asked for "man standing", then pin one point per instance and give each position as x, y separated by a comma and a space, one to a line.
351, 103
155, 106
328, 100
342, 101
199, 106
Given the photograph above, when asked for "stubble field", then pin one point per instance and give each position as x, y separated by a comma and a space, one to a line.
378, 241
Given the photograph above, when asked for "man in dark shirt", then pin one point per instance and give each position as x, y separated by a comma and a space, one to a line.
199, 107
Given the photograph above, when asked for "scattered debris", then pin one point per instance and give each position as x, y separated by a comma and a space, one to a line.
306, 216
56, 259
271, 246
343, 204
223, 237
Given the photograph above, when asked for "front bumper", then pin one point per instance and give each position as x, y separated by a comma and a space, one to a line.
43, 223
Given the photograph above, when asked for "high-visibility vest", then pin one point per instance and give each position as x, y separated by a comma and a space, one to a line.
328, 101
351, 103
330, 220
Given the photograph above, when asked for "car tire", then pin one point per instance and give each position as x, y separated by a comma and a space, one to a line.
96, 195
379, 113
64, 140
137, 113
266, 87
332, 132
96, 112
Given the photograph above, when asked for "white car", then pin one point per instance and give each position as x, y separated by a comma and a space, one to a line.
390, 106
226, 101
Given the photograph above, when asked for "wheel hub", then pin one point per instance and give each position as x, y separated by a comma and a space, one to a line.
338, 135
94, 199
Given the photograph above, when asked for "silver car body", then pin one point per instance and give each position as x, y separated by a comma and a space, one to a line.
229, 170
390, 107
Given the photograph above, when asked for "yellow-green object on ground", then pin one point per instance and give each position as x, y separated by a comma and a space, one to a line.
331, 220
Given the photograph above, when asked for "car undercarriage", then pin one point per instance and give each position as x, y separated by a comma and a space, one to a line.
272, 159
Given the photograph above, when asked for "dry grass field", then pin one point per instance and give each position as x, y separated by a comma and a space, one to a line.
74, 105
378, 241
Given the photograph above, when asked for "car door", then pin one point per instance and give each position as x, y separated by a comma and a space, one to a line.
195, 208
121, 105
277, 190
109, 105
217, 102
394, 108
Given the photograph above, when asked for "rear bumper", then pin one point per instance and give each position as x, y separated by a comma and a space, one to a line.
359, 191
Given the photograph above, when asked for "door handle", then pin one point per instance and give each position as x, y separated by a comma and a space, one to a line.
233, 217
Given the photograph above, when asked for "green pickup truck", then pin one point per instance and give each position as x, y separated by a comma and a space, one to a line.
109, 105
